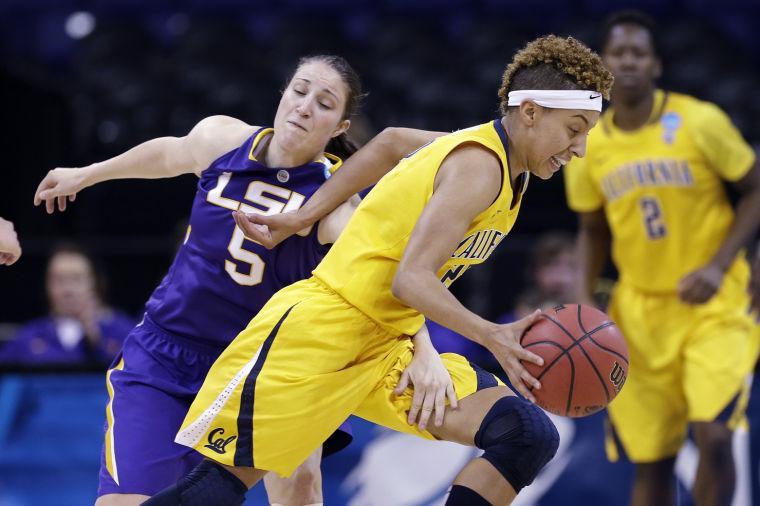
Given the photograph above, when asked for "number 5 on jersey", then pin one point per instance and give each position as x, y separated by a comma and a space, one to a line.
255, 194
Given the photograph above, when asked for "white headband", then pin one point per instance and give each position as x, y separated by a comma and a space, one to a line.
559, 99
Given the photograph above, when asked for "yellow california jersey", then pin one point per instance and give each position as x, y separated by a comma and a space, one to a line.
661, 188
362, 263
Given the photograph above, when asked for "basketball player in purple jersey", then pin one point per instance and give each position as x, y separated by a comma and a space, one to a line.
219, 279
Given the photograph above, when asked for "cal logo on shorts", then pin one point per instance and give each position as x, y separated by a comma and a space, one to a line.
218, 444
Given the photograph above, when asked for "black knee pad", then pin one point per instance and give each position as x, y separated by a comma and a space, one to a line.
208, 483
518, 439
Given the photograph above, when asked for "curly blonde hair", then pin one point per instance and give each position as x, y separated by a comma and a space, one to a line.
555, 63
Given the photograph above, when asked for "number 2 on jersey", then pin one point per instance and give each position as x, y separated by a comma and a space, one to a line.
255, 194
653, 219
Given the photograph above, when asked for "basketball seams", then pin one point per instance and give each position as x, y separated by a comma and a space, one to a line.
583, 329
578, 343
612, 352
557, 359
575, 342
572, 385
580, 319
565, 351
608, 350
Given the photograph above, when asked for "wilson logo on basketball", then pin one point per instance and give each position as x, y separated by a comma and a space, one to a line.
218, 444
617, 376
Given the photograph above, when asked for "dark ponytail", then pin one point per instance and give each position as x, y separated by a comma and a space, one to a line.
342, 145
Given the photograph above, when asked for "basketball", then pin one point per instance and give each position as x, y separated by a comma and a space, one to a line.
585, 359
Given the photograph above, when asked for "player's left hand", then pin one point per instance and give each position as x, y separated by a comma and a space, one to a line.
59, 186
432, 385
699, 286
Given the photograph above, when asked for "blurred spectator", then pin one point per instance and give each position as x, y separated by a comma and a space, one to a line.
553, 267
551, 276
527, 302
80, 327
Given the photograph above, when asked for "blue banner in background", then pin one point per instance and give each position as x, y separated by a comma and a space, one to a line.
51, 430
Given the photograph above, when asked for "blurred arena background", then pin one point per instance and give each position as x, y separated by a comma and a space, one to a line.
84, 81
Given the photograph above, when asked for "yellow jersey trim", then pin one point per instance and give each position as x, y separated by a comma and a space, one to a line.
337, 162
257, 139
110, 448
658, 107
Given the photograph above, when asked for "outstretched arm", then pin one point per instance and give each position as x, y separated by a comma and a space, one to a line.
468, 181
153, 159
363, 169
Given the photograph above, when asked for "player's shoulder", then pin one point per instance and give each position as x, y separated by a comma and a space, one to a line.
482, 132
694, 110
214, 136
473, 152
218, 126
472, 166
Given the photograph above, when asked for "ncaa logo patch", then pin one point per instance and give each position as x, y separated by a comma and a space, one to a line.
670, 122
283, 176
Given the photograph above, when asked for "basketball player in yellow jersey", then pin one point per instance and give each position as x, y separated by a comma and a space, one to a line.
653, 184
336, 344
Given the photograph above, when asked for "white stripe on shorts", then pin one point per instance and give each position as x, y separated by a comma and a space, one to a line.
193, 433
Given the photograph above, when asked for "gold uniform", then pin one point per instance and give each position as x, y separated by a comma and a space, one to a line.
335, 344
661, 189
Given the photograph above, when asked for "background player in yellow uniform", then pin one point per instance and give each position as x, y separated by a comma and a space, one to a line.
336, 344
653, 182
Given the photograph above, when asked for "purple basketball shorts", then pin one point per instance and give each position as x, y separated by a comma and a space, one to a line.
151, 385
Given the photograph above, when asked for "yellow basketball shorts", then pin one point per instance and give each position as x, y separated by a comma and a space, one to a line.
688, 364
306, 362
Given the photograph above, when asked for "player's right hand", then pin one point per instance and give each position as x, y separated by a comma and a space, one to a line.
10, 249
269, 231
59, 185
504, 343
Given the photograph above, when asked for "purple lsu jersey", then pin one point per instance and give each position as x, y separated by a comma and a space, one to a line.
219, 279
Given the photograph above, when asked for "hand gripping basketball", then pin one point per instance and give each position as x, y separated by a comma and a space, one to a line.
585, 359
504, 343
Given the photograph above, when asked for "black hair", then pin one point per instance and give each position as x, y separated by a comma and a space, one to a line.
629, 17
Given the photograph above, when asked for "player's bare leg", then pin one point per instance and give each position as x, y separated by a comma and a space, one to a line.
716, 476
461, 426
120, 500
654, 483
303, 487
